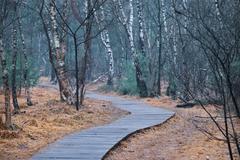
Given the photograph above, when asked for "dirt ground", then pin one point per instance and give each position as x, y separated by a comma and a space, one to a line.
177, 139
184, 137
48, 120
180, 138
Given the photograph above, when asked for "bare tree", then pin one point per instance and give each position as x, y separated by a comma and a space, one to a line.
128, 25
5, 74
105, 39
214, 37
25, 65
58, 58
14, 61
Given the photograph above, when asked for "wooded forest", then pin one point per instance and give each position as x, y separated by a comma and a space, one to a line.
188, 50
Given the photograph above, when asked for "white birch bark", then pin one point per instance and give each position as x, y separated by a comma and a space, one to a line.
218, 13
26, 66
185, 18
53, 12
164, 16
141, 26
58, 59
165, 38
5, 75
174, 34
129, 29
14, 65
106, 42
63, 42
128, 26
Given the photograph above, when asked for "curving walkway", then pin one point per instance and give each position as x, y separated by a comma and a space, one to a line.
94, 143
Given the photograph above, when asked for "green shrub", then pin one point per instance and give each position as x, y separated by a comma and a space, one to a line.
128, 84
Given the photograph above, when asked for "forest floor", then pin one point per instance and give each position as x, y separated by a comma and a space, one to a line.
48, 120
181, 137
184, 137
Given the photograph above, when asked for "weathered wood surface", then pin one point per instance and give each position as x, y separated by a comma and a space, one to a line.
94, 143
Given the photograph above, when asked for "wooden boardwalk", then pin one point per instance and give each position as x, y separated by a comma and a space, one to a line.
94, 143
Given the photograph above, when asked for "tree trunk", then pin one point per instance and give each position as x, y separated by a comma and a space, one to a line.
110, 59
140, 81
53, 78
159, 49
19, 91
172, 88
87, 46
14, 63
26, 67
141, 84
8, 122
106, 42
76, 72
57, 60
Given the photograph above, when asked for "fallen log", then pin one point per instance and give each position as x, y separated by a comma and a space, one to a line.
186, 105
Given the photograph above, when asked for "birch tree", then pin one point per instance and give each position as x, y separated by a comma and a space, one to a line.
14, 61
172, 88
160, 41
58, 59
25, 65
105, 39
5, 72
128, 25
86, 60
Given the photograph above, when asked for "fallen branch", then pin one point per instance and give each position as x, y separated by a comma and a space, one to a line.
101, 78
186, 105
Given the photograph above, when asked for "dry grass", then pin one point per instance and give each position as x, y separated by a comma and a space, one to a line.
174, 140
48, 120
181, 138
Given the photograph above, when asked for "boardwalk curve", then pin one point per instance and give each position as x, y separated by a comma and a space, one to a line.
94, 143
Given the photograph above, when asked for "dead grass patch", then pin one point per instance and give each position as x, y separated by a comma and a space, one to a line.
48, 120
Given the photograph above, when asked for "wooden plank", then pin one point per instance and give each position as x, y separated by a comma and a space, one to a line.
94, 143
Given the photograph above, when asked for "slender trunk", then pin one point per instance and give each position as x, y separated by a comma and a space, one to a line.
58, 59
53, 79
164, 16
141, 28
234, 100
26, 67
141, 84
8, 121
76, 72
63, 42
185, 17
14, 63
110, 59
87, 46
106, 42
139, 75
63, 38
172, 88
159, 89
21, 78
185, 69
164, 39
218, 13
80, 21
159, 49
235, 134
227, 128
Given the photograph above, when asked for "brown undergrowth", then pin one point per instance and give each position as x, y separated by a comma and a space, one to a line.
190, 135
48, 120
184, 137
